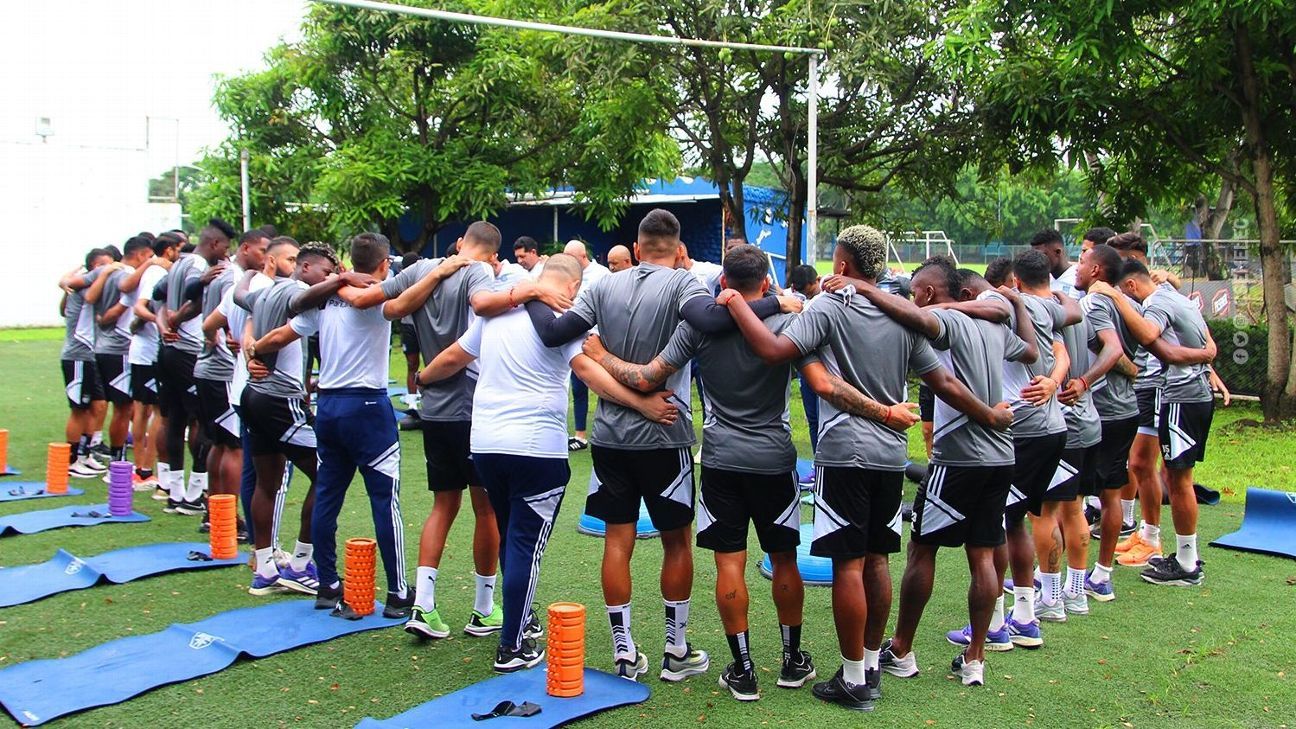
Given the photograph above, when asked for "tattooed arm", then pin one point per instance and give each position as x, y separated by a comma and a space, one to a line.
644, 378
845, 397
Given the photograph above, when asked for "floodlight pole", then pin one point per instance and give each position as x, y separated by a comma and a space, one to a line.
812, 196
247, 198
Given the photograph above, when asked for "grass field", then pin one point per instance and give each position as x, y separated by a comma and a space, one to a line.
825, 267
1218, 656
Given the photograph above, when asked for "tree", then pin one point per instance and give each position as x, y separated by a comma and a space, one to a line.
375, 114
1165, 95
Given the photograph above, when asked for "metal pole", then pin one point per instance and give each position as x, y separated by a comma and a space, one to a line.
812, 164
569, 29
247, 199
555, 235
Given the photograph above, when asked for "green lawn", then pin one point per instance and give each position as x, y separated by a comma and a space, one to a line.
1217, 656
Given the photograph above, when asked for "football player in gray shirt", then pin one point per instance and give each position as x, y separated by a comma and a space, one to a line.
860, 459
962, 502
1187, 405
637, 311
112, 344
80, 374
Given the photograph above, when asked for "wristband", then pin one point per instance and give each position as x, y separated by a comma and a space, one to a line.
1083, 381
510, 298
886, 419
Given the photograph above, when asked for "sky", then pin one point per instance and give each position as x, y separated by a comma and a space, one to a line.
131, 73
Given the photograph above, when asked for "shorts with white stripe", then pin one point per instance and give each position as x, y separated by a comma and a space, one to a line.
1149, 407
857, 512
1183, 429
962, 505
526, 494
730, 500
219, 421
81, 383
278, 425
662, 478
357, 430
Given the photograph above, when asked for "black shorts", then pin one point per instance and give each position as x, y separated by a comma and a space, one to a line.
409, 339
81, 383
1074, 474
926, 404
178, 396
962, 505
278, 425
857, 512
729, 500
219, 421
1149, 406
1183, 429
448, 455
1112, 468
115, 373
661, 477
1036, 462
144, 384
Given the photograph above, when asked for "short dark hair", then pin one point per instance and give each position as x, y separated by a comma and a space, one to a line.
1046, 237
802, 276
368, 251
113, 251
996, 273
135, 244
92, 255
969, 279
1099, 234
658, 231
745, 266
220, 226
279, 241
1133, 267
483, 234
252, 235
1108, 260
526, 243
145, 234
1129, 242
316, 250
945, 267
163, 242
409, 259
1031, 268
269, 230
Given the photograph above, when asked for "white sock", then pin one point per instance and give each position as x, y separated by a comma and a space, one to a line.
1151, 535
997, 619
176, 485
623, 647
1051, 587
1127, 511
163, 473
1075, 581
96, 438
1186, 552
853, 671
484, 598
425, 588
676, 624
265, 564
197, 485
872, 660
301, 556
1100, 574
1093, 501
1023, 604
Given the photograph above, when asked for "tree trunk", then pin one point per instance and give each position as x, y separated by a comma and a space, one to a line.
796, 216
1280, 380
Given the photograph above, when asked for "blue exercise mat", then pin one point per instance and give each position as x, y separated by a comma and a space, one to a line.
30, 522
814, 570
23, 490
1268, 524
805, 468
64, 571
10, 471
35, 692
602, 692
595, 527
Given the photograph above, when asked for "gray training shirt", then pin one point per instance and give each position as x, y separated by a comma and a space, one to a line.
1084, 429
189, 268
1113, 393
439, 323
1181, 323
745, 423
872, 353
269, 312
637, 311
217, 362
1030, 421
78, 342
109, 339
974, 350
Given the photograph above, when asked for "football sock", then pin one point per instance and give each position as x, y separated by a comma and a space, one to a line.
741, 651
623, 647
997, 619
197, 485
265, 564
1151, 535
119, 453
1050, 587
1186, 552
301, 556
791, 640
1100, 574
1023, 604
74, 452
853, 671
1075, 581
1127, 511
144, 473
425, 588
83, 446
96, 438
177, 485
676, 624
484, 597
164, 475
872, 660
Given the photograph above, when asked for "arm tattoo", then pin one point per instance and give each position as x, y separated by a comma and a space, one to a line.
643, 378
846, 398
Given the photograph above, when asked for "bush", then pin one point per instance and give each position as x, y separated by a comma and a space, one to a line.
1243, 355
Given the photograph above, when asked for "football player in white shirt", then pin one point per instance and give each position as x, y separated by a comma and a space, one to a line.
591, 272
518, 437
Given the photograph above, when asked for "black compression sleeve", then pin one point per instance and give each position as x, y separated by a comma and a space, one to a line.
705, 315
555, 331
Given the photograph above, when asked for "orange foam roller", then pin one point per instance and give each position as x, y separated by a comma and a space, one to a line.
358, 589
4, 450
56, 468
223, 515
566, 665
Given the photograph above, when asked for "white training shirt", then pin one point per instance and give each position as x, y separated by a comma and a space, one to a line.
237, 318
144, 343
591, 275
520, 405
707, 274
355, 344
